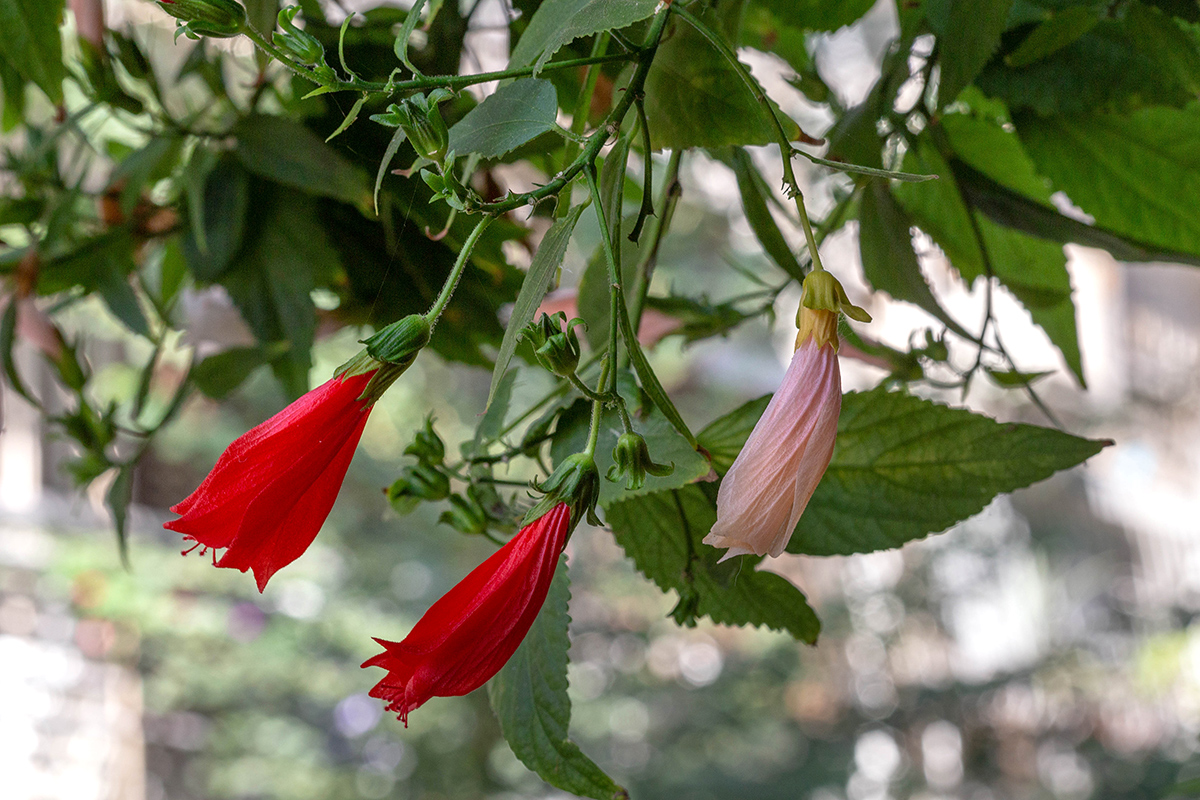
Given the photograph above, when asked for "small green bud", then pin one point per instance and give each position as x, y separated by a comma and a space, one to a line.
415, 484
300, 43
427, 445
215, 18
556, 349
400, 340
422, 123
536, 435
465, 515
631, 458
576, 482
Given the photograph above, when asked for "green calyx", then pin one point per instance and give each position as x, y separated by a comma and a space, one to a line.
823, 292
302, 44
576, 482
215, 18
632, 459
400, 340
422, 482
556, 348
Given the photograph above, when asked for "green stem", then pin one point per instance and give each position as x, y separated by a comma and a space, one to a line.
666, 209
597, 411
456, 272
584, 104
586, 391
612, 257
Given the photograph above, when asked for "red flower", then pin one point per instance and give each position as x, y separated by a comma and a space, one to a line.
273, 487
471, 632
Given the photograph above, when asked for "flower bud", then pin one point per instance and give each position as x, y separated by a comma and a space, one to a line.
427, 445
400, 340
632, 459
302, 44
422, 482
466, 515
556, 349
215, 18
422, 123
576, 482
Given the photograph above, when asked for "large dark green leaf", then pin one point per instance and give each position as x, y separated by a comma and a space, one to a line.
723, 437
546, 262
273, 278
971, 37
1137, 175
529, 697
30, 42
1033, 269
223, 204
816, 15
889, 261
904, 468
558, 22
1160, 37
513, 115
695, 98
289, 153
662, 533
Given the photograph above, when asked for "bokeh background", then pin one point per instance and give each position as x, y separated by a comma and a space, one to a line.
1048, 648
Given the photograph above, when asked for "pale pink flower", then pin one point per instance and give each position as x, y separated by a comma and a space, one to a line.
766, 490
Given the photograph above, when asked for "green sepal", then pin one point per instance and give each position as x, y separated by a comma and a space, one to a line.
400, 340
823, 292
216, 18
576, 482
300, 43
632, 459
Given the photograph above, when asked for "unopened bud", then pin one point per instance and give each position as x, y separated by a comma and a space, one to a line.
418, 483
631, 458
427, 445
300, 43
422, 123
399, 341
465, 515
556, 349
215, 18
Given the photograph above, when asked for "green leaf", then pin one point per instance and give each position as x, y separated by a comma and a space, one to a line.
889, 262
724, 437
1137, 175
662, 533
273, 279
412, 18
1033, 269
118, 498
529, 698
289, 153
31, 43
1161, 38
1053, 34
385, 162
904, 468
971, 37
516, 113
594, 287
224, 204
350, 117
1189, 788
558, 22
695, 98
221, 373
666, 446
816, 15
755, 193
546, 261
8, 340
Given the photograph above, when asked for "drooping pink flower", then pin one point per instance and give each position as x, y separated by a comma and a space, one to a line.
272, 489
774, 476
471, 632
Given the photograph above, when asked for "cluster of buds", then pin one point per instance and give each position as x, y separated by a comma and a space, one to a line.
555, 343
216, 18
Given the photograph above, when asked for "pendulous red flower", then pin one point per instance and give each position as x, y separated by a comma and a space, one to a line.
471, 632
272, 489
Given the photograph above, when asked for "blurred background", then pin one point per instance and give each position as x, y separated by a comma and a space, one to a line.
1048, 648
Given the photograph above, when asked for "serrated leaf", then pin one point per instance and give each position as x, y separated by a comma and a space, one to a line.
904, 468
31, 44
529, 698
513, 115
289, 153
1137, 175
666, 446
754, 201
724, 436
695, 98
889, 261
558, 22
662, 533
971, 37
1053, 34
546, 261
1033, 269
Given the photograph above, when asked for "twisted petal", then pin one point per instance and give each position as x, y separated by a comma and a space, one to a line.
766, 490
471, 632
